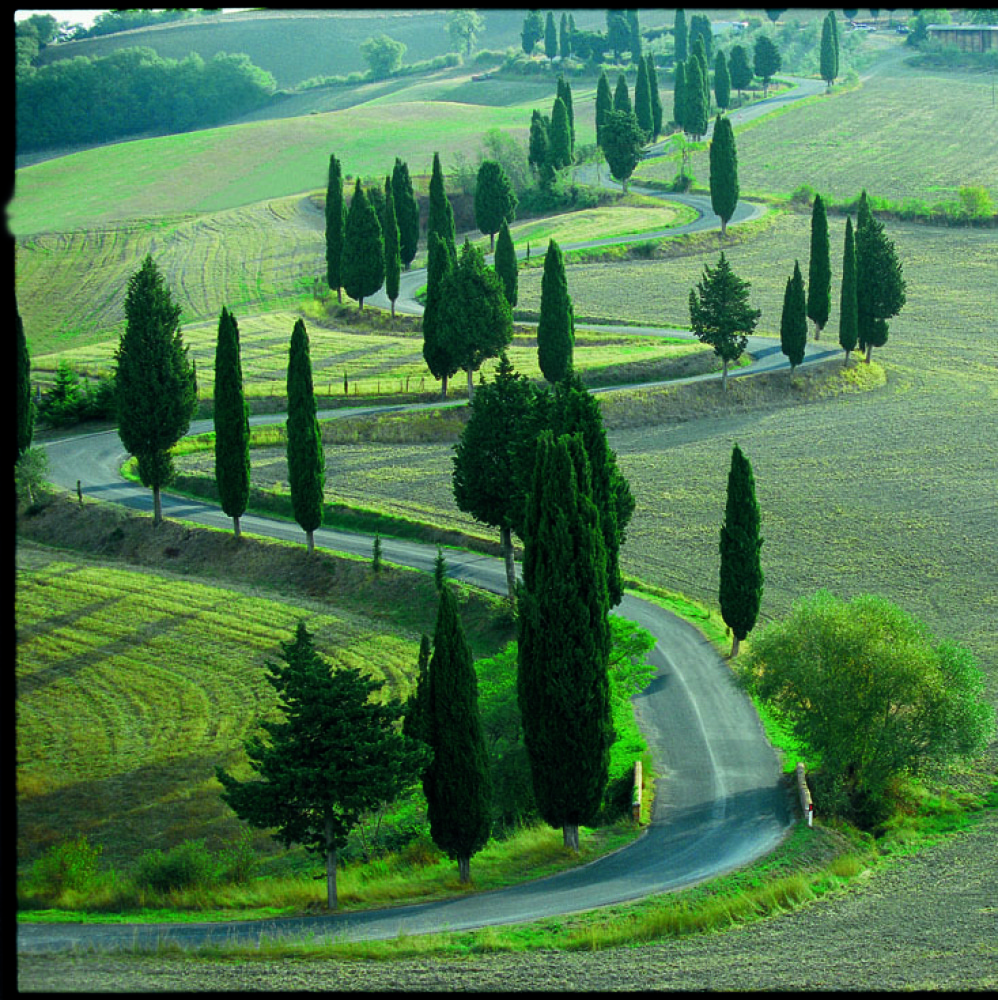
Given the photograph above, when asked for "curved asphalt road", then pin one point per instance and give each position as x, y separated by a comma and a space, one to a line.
718, 803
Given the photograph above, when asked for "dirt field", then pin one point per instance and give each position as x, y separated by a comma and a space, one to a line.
871, 937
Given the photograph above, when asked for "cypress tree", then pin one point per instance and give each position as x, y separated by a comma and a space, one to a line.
155, 389
440, 258
232, 457
829, 57
363, 269
722, 81
819, 274
621, 96
656, 97
679, 95
848, 304
564, 641
414, 724
701, 57
335, 222
695, 110
457, 783
623, 140
793, 320
393, 257
559, 136
550, 36
556, 325
767, 61
505, 264
642, 100
880, 286
564, 38
25, 412
406, 212
723, 172
681, 32
700, 29
565, 93
604, 103
441, 218
741, 576
739, 69
539, 146
634, 32
306, 459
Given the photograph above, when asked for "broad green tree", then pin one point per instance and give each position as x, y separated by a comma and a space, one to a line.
880, 284
741, 575
335, 222
25, 407
720, 314
767, 61
505, 264
723, 172
848, 303
623, 140
740, 69
793, 319
556, 325
463, 27
363, 268
869, 691
819, 272
406, 212
155, 388
306, 458
383, 55
335, 753
564, 641
393, 256
232, 436
457, 783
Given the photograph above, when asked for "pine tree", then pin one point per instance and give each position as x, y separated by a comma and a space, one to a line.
559, 136
563, 648
363, 268
793, 320
335, 222
642, 100
155, 390
722, 81
819, 274
880, 285
741, 576
656, 97
232, 456
406, 212
604, 103
306, 458
393, 257
621, 95
335, 754
848, 303
440, 258
723, 172
25, 407
457, 783
505, 264
681, 33
556, 325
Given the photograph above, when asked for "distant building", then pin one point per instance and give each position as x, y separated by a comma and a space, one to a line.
968, 37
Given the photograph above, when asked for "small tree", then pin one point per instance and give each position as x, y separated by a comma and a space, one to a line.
565, 93
383, 55
739, 69
335, 754
870, 691
406, 212
556, 325
623, 140
793, 320
621, 95
155, 389
720, 314
550, 36
679, 94
441, 215
393, 257
848, 304
767, 61
505, 264
880, 285
335, 222
463, 28
532, 31
363, 267
232, 437
695, 109
723, 172
819, 275
306, 458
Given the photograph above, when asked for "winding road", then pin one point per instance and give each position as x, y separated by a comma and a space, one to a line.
719, 803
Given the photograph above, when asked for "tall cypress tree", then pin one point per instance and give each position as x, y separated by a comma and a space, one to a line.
25, 412
505, 264
155, 388
550, 36
232, 457
393, 257
559, 136
829, 51
656, 97
741, 576
556, 325
565, 93
848, 303
604, 103
880, 285
306, 459
564, 641
681, 33
441, 218
819, 273
642, 100
363, 269
335, 222
440, 258
406, 212
622, 96
740, 69
695, 109
793, 320
723, 172
722, 81
495, 199
700, 53
679, 94
457, 783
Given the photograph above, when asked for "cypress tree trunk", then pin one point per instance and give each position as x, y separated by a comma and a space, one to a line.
157, 505
506, 544
570, 836
332, 902
464, 869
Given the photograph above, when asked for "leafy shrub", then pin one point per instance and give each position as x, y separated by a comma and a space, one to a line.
188, 865
30, 472
70, 865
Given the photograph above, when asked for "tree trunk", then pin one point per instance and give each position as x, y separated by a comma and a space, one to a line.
570, 836
506, 544
309, 542
157, 508
869, 352
471, 385
734, 647
724, 376
464, 870
360, 303
235, 528
724, 228
331, 901
339, 294
846, 365
492, 242
443, 390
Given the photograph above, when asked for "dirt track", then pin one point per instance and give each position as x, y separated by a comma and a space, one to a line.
930, 922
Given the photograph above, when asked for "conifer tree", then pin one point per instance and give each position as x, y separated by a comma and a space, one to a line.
681, 33
556, 325
819, 274
406, 212
539, 155
440, 258
25, 411
700, 28
505, 264
634, 34
306, 458
880, 285
564, 38
414, 723
457, 783
642, 100
701, 57
495, 200
741, 576
623, 140
532, 31
335, 223
335, 754
559, 136
656, 97
793, 319
565, 93
564, 641
155, 388
723, 172
829, 51
363, 268
393, 257
679, 94
550, 36
621, 95
848, 303
740, 69
767, 61
604, 103
722, 81
232, 457
441, 217
695, 110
